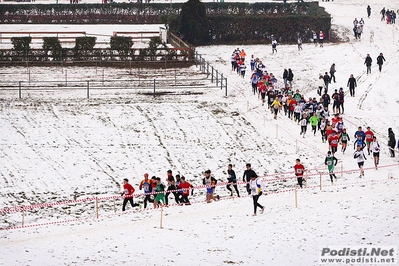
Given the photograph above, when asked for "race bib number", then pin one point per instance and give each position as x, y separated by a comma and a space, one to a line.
299, 171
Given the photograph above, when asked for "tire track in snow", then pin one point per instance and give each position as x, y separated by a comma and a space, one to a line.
157, 133
371, 85
366, 92
237, 137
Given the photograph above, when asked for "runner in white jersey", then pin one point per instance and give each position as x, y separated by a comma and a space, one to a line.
304, 125
256, 186
360, 157
375, 149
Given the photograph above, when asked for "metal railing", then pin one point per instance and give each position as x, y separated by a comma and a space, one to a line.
154, 82
144, 86
212, 73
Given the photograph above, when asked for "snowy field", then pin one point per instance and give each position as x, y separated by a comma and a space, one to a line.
58, 148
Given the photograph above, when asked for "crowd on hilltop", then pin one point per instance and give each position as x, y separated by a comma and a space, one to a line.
388, 15
358, 27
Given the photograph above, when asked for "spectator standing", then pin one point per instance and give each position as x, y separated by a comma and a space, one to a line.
290, 77
380, 61
285, 76
314, 36
332, 72
368, 62
326, 101
382, 12
327, 81
391, 142
274, 46
320, 85
342, 100
352, 85
299, 43
321, 38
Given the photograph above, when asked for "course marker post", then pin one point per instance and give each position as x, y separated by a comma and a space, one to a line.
390, 175
23, 218
296, 197
160, 222
320, 181
342, 169
276, 131
154, 88
225, 85
19, 89
97, 207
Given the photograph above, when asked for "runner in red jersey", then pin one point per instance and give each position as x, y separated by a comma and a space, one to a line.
369, 138
299, 171
185, 191
128, 191
333, 141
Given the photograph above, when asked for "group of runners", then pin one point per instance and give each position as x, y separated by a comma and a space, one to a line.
315, 112
279, 100
154, 189
238, 63
156, 192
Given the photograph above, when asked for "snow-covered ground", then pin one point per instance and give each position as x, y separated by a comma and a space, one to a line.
61, 148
